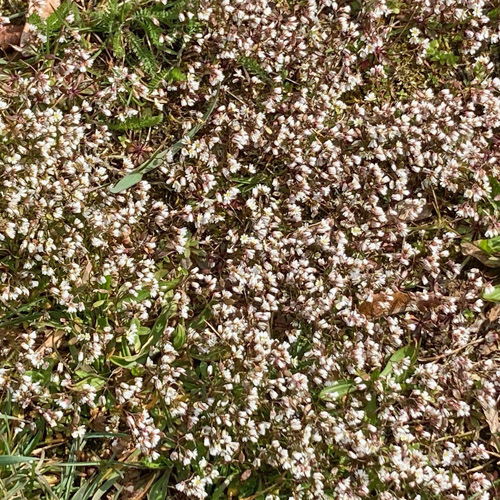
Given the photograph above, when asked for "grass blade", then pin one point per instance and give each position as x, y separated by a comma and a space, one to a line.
6, 460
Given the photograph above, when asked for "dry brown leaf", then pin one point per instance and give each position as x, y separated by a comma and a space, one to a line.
53, 341
425, 305
406, 211
10, 34
86, 273
491, 415
121, 447
153, 402
494, 313
385, 305
487, 349
41, 7
400, 302
141, 493
476, 252
10, 335
98, 420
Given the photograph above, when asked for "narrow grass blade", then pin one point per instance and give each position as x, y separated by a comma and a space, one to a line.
6, 460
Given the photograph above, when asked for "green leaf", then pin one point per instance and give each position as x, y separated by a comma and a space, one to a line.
201, 319
107, 284
179, 337
495, 187
159, 489
176, 75
104, 487
94, 381
371, 408
118, 47
143, 330
128, 361
137, 370
127, 182
159, 327
340, 388
36, 20
15, 459
136, 340
169, 285
490, 246
126, 352
81, 374
493, 296
143, 53
222, 487
408, 351
494, 14
138, 297
203, 369
253, 67
136, 123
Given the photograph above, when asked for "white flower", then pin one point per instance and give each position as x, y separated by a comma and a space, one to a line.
79, 432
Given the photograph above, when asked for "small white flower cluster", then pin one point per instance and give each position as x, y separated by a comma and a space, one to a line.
146, 435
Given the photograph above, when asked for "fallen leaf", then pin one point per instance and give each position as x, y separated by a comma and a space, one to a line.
51, 479
53, 341
10, 35
494, 313
98, 420
385, 305
491, 414
425, 305
41, 7
487, 349
141, 493
121, 446
406, 211
10, 334
86, 273
473, 250
153, 402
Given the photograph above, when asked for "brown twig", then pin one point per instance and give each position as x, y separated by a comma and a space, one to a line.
441, 356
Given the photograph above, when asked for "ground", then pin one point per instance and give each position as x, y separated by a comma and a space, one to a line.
250, 249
